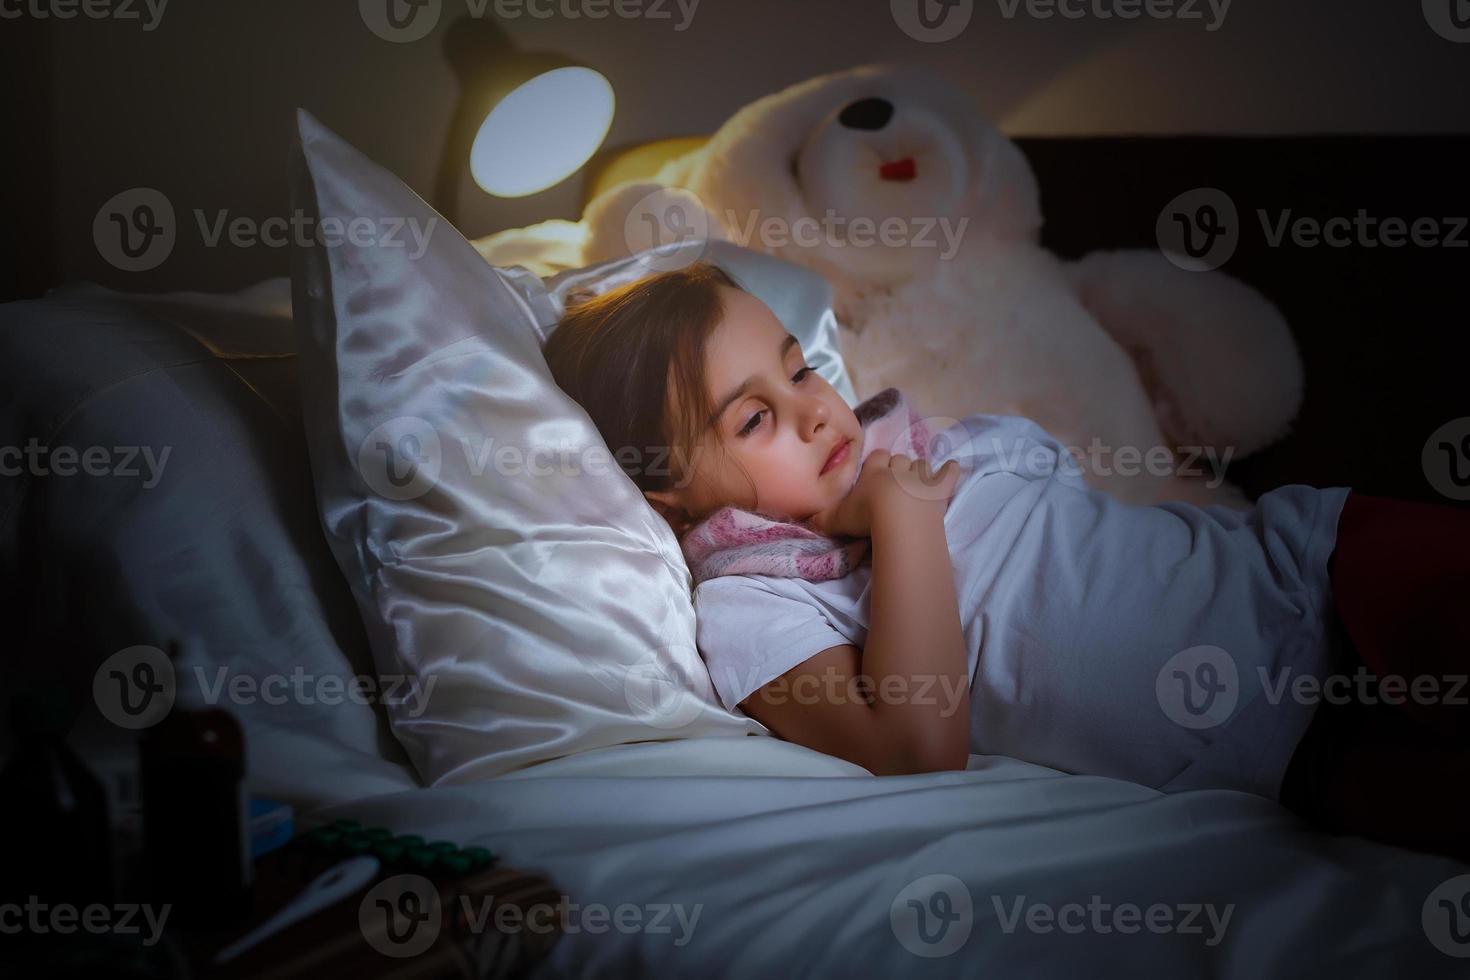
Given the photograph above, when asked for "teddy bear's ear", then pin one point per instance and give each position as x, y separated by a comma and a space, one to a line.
637, 215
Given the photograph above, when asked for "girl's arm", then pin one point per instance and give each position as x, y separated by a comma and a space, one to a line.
902, 704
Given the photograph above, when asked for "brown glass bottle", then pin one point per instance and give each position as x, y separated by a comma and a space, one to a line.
195, 830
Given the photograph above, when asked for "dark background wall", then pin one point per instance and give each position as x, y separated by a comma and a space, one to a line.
200, 107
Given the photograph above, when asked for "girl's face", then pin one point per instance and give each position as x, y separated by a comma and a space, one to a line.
776, 425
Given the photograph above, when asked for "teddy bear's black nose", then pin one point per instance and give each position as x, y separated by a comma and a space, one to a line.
866, 114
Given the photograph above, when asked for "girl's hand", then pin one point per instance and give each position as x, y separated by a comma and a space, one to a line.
894, 486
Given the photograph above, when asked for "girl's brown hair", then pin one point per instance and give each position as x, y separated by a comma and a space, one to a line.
619, 354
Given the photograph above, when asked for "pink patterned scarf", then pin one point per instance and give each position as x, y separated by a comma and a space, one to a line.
732, 541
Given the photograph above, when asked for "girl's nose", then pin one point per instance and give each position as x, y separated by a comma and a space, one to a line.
817, 415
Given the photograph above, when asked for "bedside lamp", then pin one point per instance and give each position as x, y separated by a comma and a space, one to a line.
524, 121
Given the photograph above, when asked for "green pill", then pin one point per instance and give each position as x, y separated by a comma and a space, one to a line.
479, 856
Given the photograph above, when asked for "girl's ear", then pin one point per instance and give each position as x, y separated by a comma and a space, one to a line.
670, 506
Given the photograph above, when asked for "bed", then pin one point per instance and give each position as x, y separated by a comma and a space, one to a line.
741, 855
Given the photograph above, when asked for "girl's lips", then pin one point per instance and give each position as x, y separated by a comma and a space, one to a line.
838, 455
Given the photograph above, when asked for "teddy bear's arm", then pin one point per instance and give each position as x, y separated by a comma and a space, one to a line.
1216, 356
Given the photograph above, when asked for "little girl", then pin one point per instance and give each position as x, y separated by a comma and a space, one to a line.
977, 596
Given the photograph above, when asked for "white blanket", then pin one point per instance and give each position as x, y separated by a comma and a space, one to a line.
753, 857
778, 861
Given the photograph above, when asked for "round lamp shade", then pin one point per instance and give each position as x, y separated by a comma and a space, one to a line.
542, 131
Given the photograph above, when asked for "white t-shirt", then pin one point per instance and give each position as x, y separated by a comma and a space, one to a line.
1156, 644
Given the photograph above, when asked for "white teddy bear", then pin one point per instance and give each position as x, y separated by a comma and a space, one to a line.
926, 221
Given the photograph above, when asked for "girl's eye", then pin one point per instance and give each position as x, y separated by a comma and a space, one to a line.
754, 421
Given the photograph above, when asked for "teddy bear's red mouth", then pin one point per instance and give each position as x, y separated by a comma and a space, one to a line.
898, 169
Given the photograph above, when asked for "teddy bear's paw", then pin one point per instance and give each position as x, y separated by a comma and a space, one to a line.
1213, 352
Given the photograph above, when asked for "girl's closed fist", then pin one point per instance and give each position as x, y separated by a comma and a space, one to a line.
889, 485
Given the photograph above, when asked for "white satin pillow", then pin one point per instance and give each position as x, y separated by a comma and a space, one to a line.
496, 551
